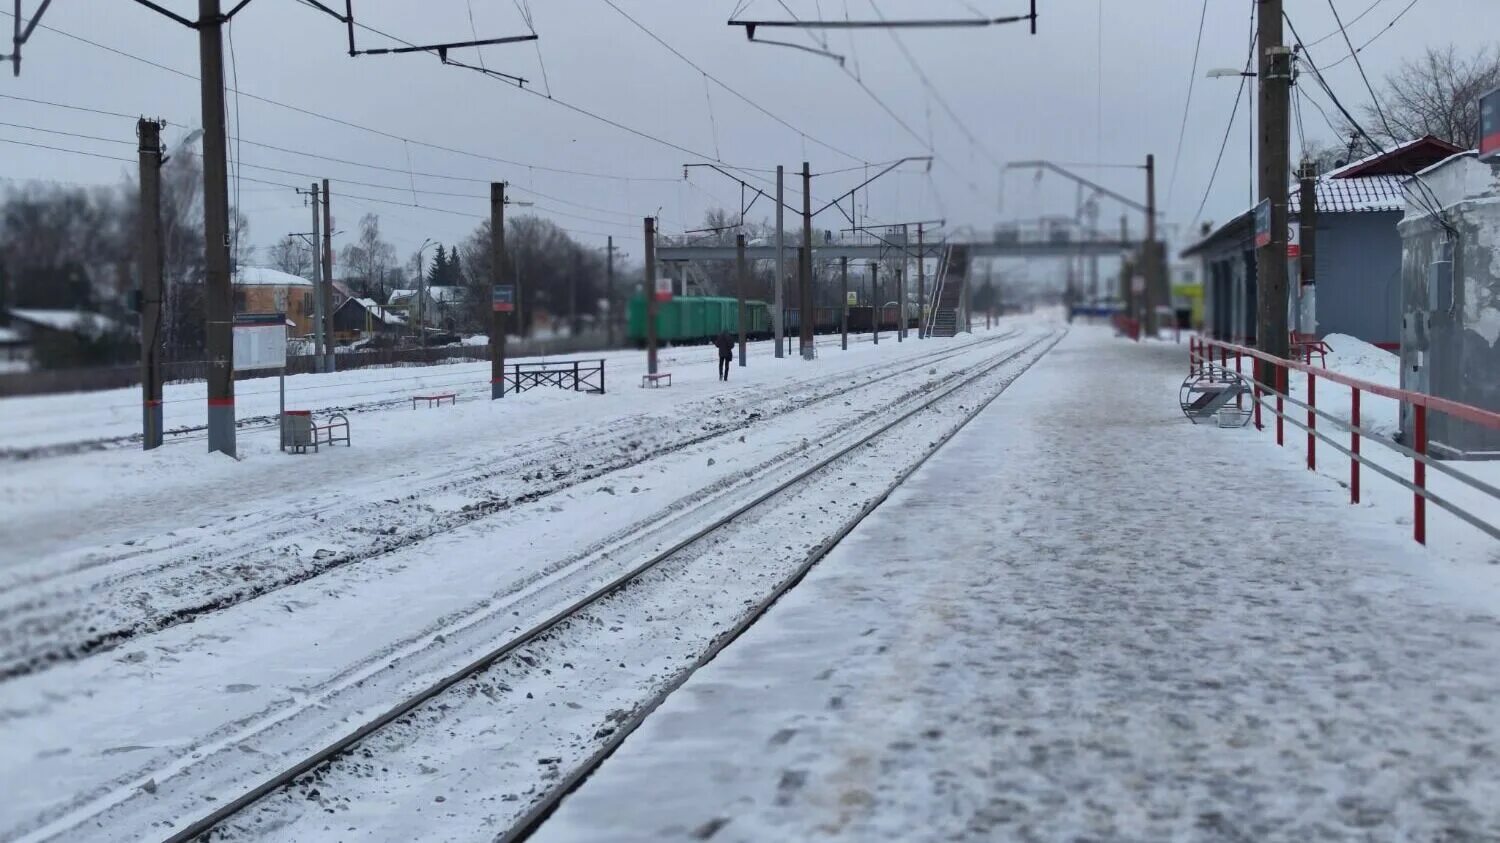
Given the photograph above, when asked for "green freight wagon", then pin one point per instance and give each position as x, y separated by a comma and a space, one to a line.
695, 319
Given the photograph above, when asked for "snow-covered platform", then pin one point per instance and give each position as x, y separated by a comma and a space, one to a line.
1086, 618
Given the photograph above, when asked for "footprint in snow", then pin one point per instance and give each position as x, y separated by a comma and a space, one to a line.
239, 688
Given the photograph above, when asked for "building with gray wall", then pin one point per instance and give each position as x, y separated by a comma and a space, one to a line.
1450, 342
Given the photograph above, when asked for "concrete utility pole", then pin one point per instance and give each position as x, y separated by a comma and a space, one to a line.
651, 305
1307, 233
1151, 259
573, 324
739, 288
149, 132
844, 307
778, 308
805, 265
874, 302
901, 301
497, 278
921, 286
1275, 136
609, 289
328, 276
218, 287
321, 341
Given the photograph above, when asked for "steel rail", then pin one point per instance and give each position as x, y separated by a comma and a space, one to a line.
352, 739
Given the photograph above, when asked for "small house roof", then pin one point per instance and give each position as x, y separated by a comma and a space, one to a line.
63, 320
265, 276
1403, 159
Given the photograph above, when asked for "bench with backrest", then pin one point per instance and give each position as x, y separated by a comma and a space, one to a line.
435, 400
1305, 346
658, 379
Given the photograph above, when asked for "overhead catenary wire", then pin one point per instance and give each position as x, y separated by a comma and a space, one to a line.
1228, 129
1187, 104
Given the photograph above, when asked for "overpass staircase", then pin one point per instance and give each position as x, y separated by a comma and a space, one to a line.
949, 298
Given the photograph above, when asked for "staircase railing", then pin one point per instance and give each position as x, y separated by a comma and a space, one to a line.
930, 317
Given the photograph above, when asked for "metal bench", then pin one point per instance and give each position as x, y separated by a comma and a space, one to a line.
658, 379
302, 434
435, 400
1205, 393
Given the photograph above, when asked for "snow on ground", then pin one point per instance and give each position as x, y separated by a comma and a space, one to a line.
1088, 619
334, 582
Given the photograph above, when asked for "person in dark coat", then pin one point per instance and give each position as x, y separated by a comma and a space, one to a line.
725, 345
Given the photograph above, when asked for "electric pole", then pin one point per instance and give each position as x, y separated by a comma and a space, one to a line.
739, 288
1275, 136
844, 308
609, 289
1152, 258
501, 303
921, 286
1307, 234
805, 265
149, 132
218, 287
320, 340
901, 301
651, 304
328, 276
874, 302
778, 309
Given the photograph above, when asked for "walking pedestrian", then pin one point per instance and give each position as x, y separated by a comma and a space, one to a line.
725, 344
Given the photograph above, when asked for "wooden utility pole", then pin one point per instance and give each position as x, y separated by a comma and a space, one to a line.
651, 304
740, 271
500, 308
921, 286
609, 289
328, 278
1307, 233
1275, 61
321, 340
218, 286
844, 307
805, 265
874, 302
778, 308
149, 133
901, 301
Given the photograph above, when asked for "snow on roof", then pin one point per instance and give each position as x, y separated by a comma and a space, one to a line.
265, 276
64, 320
10, 335
1427, 144
1355, 195
446, 294
381, 313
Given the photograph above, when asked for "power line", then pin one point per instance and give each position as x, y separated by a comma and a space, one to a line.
1224, 144
1383, 30
1354, 54
1187, 104
722, 84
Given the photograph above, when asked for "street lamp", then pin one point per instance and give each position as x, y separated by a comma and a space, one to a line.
1230, 72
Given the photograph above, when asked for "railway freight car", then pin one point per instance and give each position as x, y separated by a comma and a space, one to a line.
688, 320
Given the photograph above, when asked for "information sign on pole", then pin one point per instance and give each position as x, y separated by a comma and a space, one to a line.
1294, 240
1263, 223
664, 287
503, 298
851, 298
259, 341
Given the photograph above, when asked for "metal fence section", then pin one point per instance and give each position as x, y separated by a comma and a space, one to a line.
1203, 353
92, 379
577, 375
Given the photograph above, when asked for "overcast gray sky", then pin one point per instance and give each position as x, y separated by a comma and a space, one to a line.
1056, 95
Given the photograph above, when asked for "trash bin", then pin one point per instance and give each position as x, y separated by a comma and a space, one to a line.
296, 428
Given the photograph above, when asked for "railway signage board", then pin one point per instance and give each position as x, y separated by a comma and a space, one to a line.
503, 298
1294, 240
259, 341
664, 288
851, 299
1263, 223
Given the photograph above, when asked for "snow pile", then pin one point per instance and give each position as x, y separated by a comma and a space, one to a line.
1358, 359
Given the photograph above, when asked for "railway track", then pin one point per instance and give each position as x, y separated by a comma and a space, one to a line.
699, 541
24, 649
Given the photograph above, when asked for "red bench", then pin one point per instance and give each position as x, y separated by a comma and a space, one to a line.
1305, 346
435, 400
658, 379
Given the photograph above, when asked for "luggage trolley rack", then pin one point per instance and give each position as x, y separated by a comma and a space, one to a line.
1216, 391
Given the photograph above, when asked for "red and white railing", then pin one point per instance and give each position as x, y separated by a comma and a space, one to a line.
1208, 352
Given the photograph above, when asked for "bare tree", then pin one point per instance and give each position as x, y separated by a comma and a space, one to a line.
369, 260
291, 255
1437, 94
